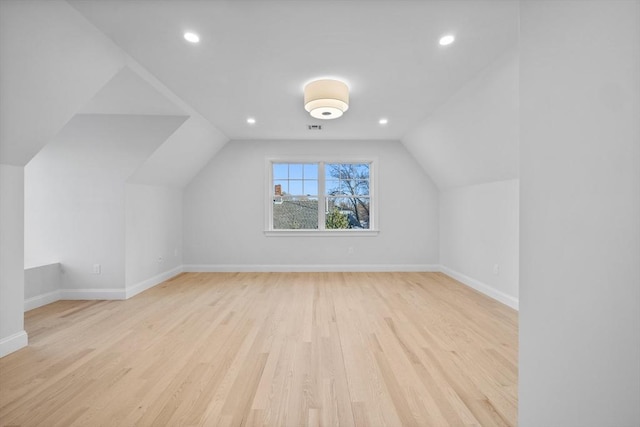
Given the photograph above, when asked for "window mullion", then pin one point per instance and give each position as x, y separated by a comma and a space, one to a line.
321, 197
270, 195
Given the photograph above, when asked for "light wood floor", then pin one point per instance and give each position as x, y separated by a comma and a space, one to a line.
276, 349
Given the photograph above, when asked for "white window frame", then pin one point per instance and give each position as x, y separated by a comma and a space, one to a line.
321, 231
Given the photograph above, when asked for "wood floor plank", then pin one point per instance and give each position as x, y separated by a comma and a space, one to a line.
270, 349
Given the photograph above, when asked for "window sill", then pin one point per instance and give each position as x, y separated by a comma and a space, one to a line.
323, 233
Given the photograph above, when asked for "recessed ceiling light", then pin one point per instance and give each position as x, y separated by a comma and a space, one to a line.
251, 121
191, 37
447, 40
383, 121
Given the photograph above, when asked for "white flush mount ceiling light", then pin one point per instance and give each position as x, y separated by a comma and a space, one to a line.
191, 37
251, 120
383, 121
326, 99
447, 40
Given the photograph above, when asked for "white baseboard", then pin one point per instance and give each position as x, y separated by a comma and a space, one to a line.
482, 287
99, 294
40, 300
151, 282
73, 294
247, 268
92, 294
121, 294
13, 343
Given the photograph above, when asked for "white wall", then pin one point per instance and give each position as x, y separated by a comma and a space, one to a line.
35, 36
42, 285
153, 250
580, 214
52, 61
182, 155
12, 334
134, 91
224, 208
75, 197
478, 231
473, 137
469, 147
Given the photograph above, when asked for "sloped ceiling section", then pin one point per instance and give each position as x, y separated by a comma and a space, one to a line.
128, 93
255, 56
473, 137
52, 62
134, 91
121, 142
183, 154
186, 151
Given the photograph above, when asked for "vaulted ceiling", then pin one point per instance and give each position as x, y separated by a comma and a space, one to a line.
254, 57
61, 58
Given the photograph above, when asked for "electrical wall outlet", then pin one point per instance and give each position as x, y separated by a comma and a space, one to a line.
496, 269
97, 269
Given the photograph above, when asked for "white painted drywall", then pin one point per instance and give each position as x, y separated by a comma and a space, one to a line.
479, 231
42, 285
469, 147
153, 232
75, 195
42, 280
224, 209
12, 334
473, 137
255, 57
129, 93
580, 214
182, 155
52, 61
186, 151
135, 91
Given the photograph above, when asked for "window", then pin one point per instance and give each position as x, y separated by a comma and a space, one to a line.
330, 197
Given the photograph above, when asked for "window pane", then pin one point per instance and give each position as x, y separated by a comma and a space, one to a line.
310, 187
311, 171
284, 187
350, 171
295, 171
332, 171
332, 187
295, 187
361, 187
295, 214
347, 212
362, 171
353, 177
280, 171
347, 186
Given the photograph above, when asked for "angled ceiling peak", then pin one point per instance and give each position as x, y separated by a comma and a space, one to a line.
128, 93
52, 62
